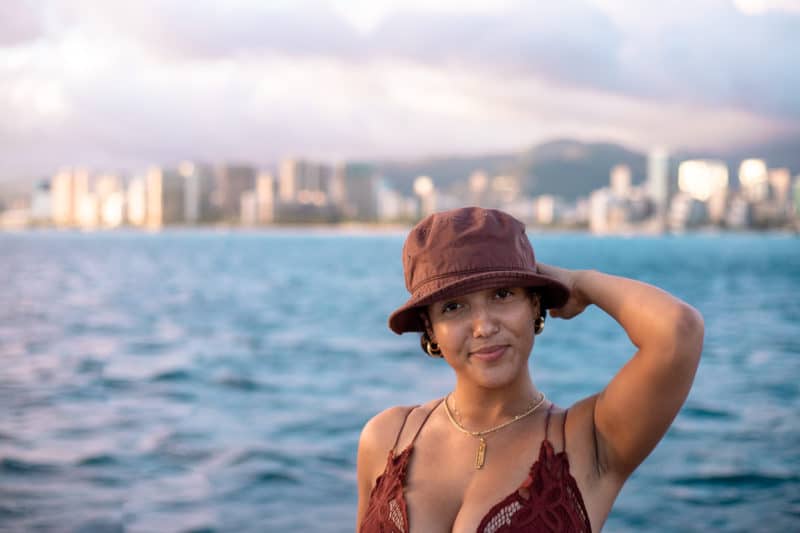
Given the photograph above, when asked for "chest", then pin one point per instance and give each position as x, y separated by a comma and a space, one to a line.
443, 490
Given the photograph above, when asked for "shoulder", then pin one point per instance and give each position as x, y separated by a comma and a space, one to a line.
380, 432
376, 441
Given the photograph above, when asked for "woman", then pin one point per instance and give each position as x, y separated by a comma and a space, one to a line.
494, 454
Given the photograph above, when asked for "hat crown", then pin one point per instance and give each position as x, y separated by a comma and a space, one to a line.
463, 242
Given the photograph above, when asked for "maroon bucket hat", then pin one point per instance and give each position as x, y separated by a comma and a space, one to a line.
464, 250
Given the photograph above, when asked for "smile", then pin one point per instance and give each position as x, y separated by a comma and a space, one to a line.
489, 353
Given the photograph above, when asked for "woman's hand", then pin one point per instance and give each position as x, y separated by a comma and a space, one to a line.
577, 300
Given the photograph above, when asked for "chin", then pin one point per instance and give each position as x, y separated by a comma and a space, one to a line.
497, 377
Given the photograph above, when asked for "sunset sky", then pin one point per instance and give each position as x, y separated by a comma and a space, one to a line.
119, 85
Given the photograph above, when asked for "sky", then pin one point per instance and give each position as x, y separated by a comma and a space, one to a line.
118, 85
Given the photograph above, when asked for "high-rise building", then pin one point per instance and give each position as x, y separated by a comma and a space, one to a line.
361, 190
68, 189
309, 183
621, 180
265, 198
706, 181
753, 179
110, 200
231, 182
136, 200
479, 188
779, 182
165, 197
199, 189
249, 208
426, 191
62, 198
658, 179
41, 203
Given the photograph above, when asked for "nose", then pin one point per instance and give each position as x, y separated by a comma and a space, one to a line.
484, 323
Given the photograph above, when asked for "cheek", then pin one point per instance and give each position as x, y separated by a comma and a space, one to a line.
450, 337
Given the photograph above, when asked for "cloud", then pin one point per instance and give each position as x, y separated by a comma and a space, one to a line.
20, 22
128, 84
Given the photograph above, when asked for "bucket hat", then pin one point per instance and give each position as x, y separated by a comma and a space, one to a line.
456, 252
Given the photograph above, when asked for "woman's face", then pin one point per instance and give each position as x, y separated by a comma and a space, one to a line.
486, 336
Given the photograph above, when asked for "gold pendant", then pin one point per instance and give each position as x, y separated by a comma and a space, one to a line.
480, 456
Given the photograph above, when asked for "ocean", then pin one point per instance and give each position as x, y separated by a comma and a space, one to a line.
204, 380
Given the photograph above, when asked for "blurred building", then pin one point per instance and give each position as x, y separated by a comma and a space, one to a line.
393, 206
740, 213
265, 198
362, 186
62, 198
41, 203
620, 207
503, 190
68, 190
753, 180
306, 182
705, 181
479, 188
658, 179
249, 208
545, 209
686, 212
426, 192
110, 198
199, 191
230, 182
621, 180
136, 201
796, 197
165, 198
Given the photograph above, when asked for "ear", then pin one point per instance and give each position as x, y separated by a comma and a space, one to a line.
536, 303
426, 321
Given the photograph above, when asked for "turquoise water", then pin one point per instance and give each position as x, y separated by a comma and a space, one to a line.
208, 381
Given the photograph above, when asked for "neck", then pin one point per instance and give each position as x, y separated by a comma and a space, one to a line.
480, 407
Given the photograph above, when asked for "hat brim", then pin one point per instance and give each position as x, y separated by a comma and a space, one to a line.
406, 318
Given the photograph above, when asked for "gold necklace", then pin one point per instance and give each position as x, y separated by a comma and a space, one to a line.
480, 455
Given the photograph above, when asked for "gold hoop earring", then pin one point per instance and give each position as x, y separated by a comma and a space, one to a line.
538, 325
429, 347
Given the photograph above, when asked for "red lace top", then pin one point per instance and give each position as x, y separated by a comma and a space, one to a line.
548, 501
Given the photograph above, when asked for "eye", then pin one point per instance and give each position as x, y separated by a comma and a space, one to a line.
449, 307
503, 293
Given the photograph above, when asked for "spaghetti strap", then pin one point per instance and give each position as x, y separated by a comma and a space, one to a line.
547, 421
425, 420
397, 438
564, 430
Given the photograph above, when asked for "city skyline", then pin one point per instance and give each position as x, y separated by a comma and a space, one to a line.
698, 194
118, 86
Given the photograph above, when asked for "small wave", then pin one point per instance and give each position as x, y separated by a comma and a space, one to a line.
13, 465
100, 459
172, 375
202, 529
100, 525
705, 412
270, 477
256, 455
750, 479
241, 383
116, 384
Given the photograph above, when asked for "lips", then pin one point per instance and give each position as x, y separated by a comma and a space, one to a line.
489, 353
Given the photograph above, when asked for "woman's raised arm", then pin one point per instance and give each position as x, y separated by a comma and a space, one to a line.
638, 405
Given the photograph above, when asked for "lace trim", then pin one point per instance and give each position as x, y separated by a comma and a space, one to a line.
502, 518
396, 515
